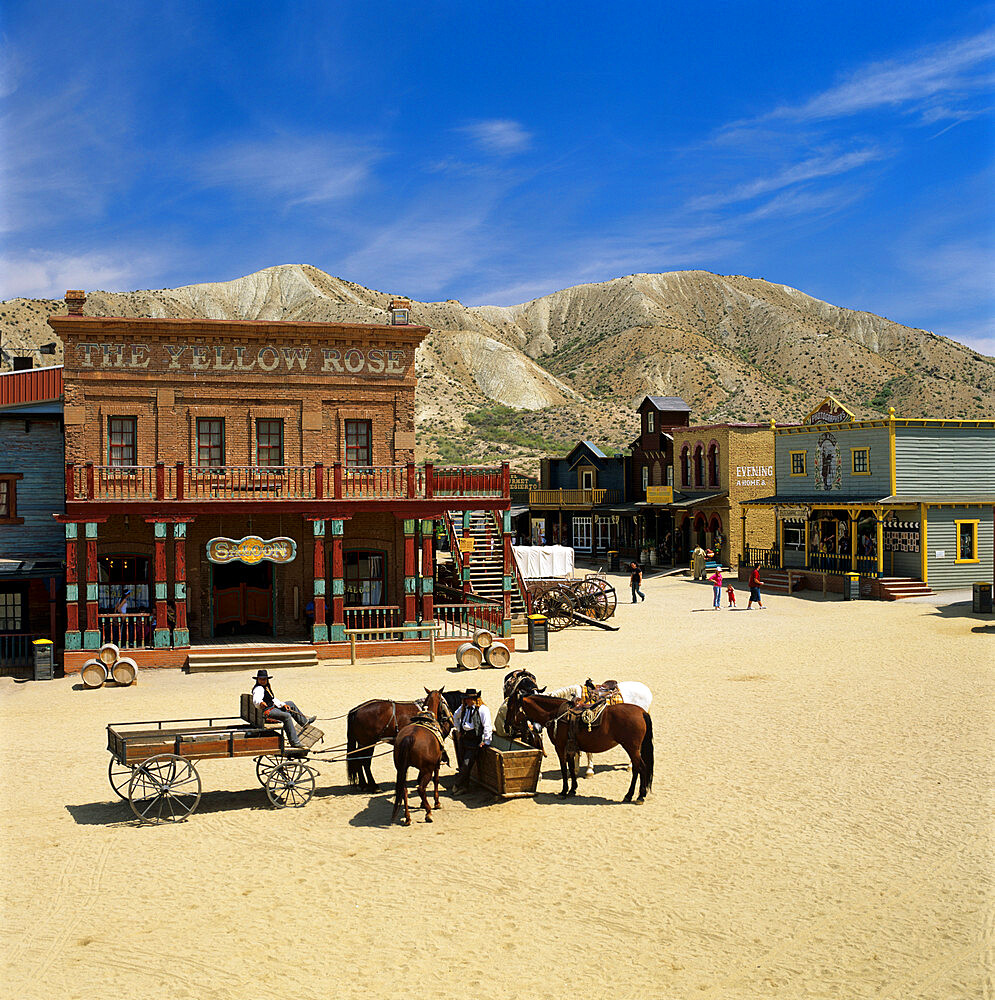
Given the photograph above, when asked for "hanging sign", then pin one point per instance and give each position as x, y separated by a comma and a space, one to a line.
659, 494
829, 411
251, 550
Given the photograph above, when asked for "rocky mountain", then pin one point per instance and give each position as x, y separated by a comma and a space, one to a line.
517, 382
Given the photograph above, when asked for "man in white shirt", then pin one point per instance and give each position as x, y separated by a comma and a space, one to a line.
280, 711
471, 730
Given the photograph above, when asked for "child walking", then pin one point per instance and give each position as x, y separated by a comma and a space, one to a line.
731, 595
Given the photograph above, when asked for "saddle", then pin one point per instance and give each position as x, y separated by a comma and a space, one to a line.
514, 679
428, 721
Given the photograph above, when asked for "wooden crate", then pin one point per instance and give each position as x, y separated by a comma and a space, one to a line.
508, 768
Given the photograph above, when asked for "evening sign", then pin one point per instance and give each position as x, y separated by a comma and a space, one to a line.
268, 359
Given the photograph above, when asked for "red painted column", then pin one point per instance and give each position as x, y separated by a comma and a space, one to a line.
336, 632
410, 574
319, 632
181, 631
160, 635
74, 639
427, 571
91, 638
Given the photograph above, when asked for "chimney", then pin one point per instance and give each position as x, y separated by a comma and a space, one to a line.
23, 364
75, 298
400, 310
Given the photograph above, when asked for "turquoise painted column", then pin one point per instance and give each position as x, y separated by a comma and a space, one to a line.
160, 635
91, 637
319, 630
508, 573
336, 630
410, 578
74, 638
181, 631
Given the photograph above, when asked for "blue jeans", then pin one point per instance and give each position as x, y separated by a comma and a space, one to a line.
717, 601
288, 718
636, 590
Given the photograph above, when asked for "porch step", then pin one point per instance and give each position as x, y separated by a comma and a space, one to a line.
777, 579
897, 588
260, 658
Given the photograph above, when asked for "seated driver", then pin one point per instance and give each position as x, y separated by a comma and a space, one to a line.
278, 711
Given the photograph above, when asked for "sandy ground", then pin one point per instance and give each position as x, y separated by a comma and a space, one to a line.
820, 825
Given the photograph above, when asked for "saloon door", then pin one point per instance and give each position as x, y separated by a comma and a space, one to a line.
242, 599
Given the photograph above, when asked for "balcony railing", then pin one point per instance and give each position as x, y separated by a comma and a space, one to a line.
179, 482
571, 498
127, 631
464, 619
374, 617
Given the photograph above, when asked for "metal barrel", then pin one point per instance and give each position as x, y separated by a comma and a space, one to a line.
497, 655
93, 674
469, 656
125, 671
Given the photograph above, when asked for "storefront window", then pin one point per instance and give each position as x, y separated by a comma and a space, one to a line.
794, 538
11, 611
117, 574
364, 579
967, 541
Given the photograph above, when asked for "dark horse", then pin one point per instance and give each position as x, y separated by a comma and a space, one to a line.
373, 722
627, 726
418, 746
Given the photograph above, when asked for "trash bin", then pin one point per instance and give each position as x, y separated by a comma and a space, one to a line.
44, 652
538, 634
851, 586
981, 599
612, 561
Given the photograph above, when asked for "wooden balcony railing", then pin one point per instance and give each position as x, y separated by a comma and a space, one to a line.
571, 498
128, 631
374, 617
464, 619
180, 482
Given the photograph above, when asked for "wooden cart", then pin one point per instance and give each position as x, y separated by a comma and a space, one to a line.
508, 768
152, 765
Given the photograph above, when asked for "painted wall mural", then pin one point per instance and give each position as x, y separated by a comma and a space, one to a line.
829, 471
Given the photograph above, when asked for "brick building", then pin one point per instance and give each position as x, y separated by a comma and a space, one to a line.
239, 480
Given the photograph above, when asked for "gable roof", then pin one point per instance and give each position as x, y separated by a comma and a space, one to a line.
666, 403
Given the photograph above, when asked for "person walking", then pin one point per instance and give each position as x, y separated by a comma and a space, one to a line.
635, 579
755, 590
716, 581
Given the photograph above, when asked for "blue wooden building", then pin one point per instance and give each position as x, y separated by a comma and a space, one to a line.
905, 503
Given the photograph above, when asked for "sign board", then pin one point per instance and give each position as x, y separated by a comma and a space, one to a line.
251, 550
659, 494
466, 544
829, 411
520, 486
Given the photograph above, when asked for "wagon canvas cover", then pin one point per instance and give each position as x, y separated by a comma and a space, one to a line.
539, 562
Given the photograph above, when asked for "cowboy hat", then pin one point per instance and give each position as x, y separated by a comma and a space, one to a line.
471, 693
263, 675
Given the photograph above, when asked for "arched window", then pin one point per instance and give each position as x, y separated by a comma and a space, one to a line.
685, 466
713, 464
699, 465
657, 474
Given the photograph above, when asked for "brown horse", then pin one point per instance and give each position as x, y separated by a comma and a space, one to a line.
417, 746
373, 722
627, 726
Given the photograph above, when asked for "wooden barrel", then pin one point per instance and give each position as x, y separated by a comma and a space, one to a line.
93, 674
482, 638
469, 656
125, 671
108, 654
497, 655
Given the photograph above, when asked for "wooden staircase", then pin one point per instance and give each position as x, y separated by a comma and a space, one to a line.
897, 588
251, 659
486, 562
776, 580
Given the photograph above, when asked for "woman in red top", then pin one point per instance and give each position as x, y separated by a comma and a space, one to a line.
755, 590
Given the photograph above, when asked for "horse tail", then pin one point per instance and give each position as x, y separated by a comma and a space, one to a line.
354, 768
400, 751
646, 751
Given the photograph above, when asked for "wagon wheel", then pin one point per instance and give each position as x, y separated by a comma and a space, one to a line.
611, 599
265, 765
590, 598
290, 783
166, 787
559, 608
120, 776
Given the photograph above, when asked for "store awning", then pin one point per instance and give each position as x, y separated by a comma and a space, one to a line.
25, 569
686, 502
517, 510
623, 508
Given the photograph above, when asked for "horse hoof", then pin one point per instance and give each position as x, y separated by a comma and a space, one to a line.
628, 798
406, 822
589, 772
562, 795
428, 819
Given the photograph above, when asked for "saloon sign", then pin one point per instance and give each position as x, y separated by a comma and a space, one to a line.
251, 550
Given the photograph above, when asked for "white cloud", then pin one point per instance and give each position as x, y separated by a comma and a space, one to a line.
302, 171
38, 274
917, 79
499, 135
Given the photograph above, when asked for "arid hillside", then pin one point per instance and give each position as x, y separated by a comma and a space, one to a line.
520, 381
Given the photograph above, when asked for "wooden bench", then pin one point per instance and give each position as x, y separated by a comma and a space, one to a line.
255, 715
354, 633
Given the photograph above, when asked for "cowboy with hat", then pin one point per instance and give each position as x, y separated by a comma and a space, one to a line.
471, 730
278, 711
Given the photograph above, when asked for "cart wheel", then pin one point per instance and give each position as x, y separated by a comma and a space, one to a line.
166, 787
559, 608
290, 783
611, 600
590, 598
265, 765
120, 776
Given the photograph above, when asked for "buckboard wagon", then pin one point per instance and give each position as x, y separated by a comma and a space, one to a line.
152, 763
508, 768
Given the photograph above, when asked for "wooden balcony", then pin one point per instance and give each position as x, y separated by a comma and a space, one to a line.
571, 498
183, 484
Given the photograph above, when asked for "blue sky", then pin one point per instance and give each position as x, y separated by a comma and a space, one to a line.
494, 152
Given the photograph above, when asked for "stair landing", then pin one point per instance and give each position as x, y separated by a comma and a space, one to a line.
897, 588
